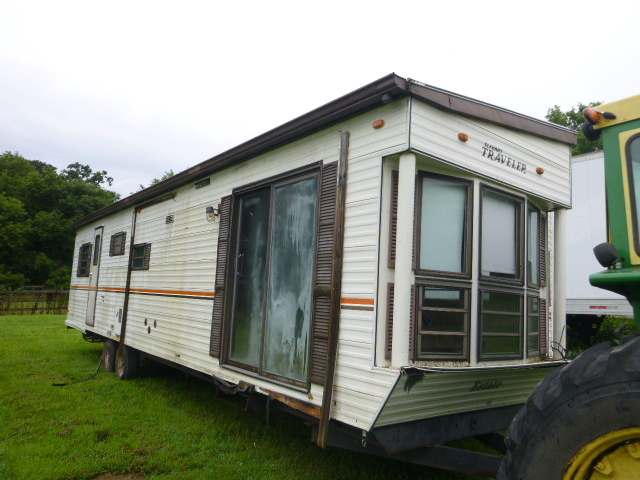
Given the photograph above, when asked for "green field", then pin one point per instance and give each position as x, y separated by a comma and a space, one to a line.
163, 425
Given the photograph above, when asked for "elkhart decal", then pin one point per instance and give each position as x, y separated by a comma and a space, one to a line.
495, 155
486, 386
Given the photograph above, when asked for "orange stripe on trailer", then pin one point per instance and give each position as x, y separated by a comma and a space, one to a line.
143, 290
357, 301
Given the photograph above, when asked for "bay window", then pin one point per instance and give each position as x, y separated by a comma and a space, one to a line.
511, 248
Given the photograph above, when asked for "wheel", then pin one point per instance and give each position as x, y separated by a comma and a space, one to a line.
582, 421
109, 352
127, 362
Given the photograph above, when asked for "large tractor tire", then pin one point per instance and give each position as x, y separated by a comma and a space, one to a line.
582, 421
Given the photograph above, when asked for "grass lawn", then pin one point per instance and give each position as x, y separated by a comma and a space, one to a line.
162, 425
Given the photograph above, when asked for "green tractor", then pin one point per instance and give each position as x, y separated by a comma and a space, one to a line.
583, 421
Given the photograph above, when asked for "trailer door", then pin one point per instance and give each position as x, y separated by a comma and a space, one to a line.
93, 277
273, 275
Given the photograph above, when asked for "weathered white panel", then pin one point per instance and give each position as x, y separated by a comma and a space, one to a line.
354, 407
435, 133
417, 396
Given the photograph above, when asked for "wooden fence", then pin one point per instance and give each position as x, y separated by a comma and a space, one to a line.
31, 302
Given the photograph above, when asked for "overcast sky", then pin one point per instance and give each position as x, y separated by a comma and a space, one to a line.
141, 87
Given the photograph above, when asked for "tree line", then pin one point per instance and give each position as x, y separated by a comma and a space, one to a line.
37, 206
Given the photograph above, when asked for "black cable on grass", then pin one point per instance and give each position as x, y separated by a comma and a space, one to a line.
80, 381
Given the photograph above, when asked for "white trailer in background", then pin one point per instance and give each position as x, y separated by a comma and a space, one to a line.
378, 265
587, 227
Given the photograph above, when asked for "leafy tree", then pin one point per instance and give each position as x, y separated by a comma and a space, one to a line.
37, 206
77, 171
573, 119
166, 175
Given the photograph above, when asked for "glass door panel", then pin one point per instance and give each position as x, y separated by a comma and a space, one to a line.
250, 279
291, 267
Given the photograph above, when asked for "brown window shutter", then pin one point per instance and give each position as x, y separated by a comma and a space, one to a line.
323, 280
543, 250
389, 326
221, 268
393, 220
544, 326
147, 256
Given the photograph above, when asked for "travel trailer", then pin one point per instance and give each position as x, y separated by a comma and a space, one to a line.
378, 265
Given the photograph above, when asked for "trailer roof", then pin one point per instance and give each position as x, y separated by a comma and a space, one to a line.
385, 90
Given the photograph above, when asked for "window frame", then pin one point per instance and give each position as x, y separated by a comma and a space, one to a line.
116, 249
84, 265
419, 308
633, 193
538, 281
97, 250
146, 256
528, 333
468, 226
520, 243
271, 183
521, 323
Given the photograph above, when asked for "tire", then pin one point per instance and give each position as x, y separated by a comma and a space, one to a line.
127, 363
109, 353
578, 415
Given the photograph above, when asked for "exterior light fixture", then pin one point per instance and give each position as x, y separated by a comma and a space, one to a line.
463, 137
212, 213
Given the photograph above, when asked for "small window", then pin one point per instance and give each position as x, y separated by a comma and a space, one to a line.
501, 321
84, 260
141, 256
533, 326
444, 221
501, 238
118, 242
96, 251
443, 322
533, 245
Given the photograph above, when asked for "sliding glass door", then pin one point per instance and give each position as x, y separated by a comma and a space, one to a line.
274, 271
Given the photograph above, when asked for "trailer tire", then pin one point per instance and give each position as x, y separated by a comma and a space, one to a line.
581, 413
127, 363
109, 353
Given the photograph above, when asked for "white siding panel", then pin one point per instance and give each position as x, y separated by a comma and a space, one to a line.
435, 133
354, 407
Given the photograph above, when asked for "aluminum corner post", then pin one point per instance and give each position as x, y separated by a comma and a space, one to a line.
560, 282
400, 347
